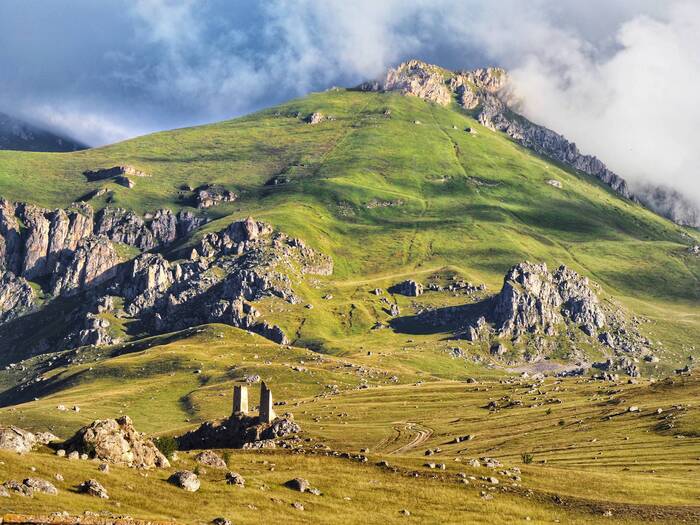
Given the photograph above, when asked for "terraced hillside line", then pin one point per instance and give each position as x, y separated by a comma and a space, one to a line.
420, 434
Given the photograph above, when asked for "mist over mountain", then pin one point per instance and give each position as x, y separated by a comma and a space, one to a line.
16, 134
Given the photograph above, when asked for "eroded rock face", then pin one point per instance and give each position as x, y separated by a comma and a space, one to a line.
92, 262
418, 79
533, 300
72, 250
117, 441
16, 296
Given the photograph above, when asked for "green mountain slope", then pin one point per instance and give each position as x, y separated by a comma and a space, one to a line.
391, 187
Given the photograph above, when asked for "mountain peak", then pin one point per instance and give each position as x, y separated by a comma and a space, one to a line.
436, 84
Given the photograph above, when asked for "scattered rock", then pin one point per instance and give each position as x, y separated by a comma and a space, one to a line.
233, 478
299, 484
210, 458
93, 487
315, 118
186, 480
40, 485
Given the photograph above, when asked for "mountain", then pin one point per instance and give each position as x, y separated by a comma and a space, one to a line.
399, 267
18, 135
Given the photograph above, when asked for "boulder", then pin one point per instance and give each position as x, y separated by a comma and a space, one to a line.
209, 458
17, 440
410, 288
186, 480
92, 487
315, 118
298, 484
233, 478
117, 441
40, 485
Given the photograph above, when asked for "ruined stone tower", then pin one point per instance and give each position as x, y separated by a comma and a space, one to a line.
267, 415
240, 400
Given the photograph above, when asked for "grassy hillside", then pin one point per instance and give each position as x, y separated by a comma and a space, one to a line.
588, 454
391, 187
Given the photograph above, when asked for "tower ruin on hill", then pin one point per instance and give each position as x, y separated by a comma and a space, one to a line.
240, 403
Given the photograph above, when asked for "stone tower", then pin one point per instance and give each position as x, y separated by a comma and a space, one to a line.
267, 414
240, 400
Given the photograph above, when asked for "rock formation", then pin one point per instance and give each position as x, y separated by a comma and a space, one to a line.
410, 288
115, 172
69, 251
117, 441
533, 300
208, 196
16, 440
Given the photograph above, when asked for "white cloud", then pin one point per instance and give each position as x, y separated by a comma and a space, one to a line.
616, 76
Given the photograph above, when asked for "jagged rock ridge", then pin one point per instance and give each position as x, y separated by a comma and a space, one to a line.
225, 273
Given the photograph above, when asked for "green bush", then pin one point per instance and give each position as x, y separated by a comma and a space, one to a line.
167, 445
527, 457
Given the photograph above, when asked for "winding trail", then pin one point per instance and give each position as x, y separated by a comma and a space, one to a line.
415, 432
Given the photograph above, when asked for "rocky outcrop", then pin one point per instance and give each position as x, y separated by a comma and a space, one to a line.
69, 251
533, 300
409, 287
115, 172
16, 296
92, 262
126, 227
208, 196
226, 271
117, 441
496, 115
16, 440
239, 431
415, 78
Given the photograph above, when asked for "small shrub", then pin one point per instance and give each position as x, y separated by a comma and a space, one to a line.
197, 470
167, 445
548, 411
562, 422
527, 457
227, 457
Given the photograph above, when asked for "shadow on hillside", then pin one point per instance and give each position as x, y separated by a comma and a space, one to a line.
440, 320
